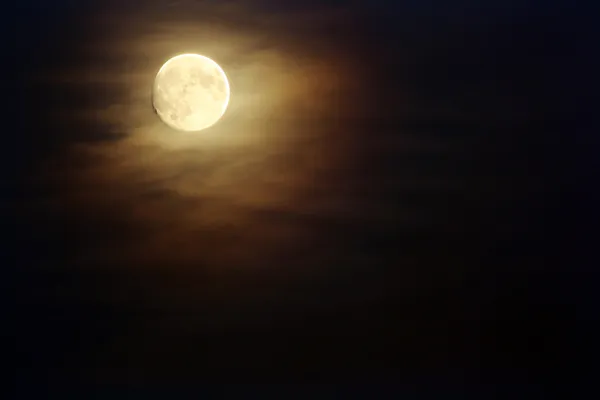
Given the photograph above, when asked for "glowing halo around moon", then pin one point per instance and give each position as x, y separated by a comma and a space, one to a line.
191, 92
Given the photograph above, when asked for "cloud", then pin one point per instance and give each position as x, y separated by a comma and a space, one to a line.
298, 164
339, 151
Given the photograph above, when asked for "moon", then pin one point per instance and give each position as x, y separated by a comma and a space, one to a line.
191, 92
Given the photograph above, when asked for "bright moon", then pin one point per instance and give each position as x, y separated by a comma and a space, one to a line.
191, 92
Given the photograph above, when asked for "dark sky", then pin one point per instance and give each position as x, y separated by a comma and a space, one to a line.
401, 190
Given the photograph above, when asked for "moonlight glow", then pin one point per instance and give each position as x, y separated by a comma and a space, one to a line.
191, 92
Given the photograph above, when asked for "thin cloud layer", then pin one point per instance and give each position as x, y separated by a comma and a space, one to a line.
294, 157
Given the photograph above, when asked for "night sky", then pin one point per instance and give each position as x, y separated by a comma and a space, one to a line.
401, 190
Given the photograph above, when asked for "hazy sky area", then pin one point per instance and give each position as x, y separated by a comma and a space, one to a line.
404, 188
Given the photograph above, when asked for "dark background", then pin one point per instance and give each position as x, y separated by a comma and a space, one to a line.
468, 257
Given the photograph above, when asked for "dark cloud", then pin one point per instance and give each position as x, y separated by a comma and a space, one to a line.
377, 188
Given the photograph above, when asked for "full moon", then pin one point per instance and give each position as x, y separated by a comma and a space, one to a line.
191, 92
